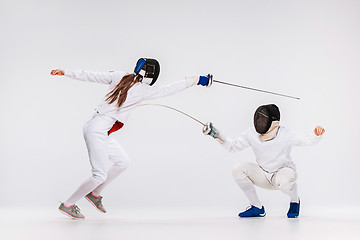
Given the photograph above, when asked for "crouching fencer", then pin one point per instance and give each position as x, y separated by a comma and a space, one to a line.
126, 91
274, 168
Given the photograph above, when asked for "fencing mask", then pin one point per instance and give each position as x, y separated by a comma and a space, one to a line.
151, 69
264, 116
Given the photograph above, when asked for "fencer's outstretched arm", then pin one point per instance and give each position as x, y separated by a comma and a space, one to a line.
303, 140
229, 144
88, 76
153, 92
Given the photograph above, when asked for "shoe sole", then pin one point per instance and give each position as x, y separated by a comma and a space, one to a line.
260, 215
92, 203
71, 216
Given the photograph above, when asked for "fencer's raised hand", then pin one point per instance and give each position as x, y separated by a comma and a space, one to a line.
319, 130
59, 72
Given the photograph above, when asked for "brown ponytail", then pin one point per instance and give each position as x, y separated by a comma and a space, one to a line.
119, 92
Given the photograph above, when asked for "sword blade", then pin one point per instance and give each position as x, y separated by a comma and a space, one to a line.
255, 89
165, 106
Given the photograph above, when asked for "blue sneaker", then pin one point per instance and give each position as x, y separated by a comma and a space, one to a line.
253, 212
294, 210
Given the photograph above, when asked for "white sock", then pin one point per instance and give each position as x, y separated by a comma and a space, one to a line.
113, 172
83, 190
293, 194
249, 189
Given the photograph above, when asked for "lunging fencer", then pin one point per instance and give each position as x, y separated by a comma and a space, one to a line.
126, 91
274, 168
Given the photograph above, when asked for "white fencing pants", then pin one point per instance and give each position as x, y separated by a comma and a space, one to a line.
102, 149
247, 175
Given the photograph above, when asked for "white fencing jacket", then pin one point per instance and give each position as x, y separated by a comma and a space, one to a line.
274, 154
136, 94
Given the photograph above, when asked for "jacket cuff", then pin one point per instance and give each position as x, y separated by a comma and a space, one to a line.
68, 73
191, 80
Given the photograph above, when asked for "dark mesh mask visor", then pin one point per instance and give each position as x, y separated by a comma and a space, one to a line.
262, 121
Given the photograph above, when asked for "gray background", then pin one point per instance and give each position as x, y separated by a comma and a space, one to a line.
309, 49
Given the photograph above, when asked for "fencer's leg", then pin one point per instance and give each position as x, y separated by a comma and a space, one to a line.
113, 172
248, 188
97, 178
82, 190
247, 175
285, 181
293, 193
121, 163
96, 143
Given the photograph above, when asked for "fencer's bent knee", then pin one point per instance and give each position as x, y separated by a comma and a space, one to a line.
122, 161
123, 164
284, 180
284, 184
239, 171
99, 176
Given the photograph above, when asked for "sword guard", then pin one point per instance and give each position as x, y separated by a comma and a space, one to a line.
210, 76
209, 129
